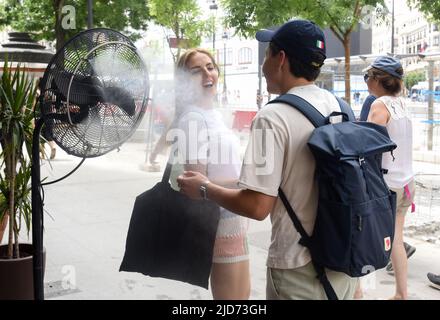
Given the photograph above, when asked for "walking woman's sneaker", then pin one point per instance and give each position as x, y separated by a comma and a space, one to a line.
434, 280
53, 152
409, 249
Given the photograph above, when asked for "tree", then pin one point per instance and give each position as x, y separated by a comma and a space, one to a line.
341, 16
46, 17
412, 78
183, 18
431, 8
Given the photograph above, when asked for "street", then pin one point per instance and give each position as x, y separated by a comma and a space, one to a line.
86, 222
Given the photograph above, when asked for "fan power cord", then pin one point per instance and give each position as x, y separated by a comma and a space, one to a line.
67, 175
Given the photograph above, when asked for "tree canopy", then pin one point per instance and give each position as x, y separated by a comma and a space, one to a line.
184, 19
412, 78
341, 16
44, 17
430, 8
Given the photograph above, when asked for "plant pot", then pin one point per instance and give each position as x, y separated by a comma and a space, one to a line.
16, 275
3, 225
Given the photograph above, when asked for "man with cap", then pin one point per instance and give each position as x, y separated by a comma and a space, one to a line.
280, 133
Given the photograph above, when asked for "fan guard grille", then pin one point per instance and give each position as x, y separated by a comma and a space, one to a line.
99, 84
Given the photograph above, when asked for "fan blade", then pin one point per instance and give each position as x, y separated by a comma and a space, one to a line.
83, 91
119, 97
78, 117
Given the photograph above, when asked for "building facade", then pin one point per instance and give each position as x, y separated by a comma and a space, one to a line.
413, 35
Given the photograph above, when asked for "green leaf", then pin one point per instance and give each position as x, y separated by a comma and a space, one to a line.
17, 96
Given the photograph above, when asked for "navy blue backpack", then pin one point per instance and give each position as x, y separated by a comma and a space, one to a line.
354, 226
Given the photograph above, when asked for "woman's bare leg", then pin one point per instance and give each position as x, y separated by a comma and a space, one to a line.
230, 281
399, 259
359, 293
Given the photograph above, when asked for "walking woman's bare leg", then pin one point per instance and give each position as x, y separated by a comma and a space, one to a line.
230, 281
399, 259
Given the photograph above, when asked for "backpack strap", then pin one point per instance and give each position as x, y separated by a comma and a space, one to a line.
306, 241
322, 276
303, 106
305, 238
309, 111
345, 108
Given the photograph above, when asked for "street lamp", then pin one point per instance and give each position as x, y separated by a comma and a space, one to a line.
225, 97
213, 6
392, 27
90, 14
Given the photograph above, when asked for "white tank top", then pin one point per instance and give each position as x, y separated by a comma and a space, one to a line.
399, 127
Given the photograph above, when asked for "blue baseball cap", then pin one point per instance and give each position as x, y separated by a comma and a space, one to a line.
387, 64
301, 39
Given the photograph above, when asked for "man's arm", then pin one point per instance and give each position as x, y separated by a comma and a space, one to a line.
247, 203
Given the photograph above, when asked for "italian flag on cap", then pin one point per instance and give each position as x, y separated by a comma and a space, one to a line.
320, 44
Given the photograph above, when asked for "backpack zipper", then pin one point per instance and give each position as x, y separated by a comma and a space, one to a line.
359, 223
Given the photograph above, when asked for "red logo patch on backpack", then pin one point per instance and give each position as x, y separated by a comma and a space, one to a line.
387, 243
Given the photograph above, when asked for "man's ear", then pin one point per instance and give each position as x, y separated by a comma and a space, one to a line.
282, 58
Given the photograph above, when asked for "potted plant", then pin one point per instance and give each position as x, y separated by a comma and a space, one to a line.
17, 99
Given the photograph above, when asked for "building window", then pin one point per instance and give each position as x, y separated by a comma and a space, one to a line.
221, 57
245, 56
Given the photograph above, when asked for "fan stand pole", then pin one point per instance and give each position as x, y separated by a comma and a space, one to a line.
37, 214
150, 142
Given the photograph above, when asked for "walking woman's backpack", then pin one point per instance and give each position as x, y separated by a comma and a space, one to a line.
354, 226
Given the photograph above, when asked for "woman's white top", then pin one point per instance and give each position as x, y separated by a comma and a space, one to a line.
202, 136
399, 126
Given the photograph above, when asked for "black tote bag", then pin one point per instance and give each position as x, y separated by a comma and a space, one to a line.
171, 236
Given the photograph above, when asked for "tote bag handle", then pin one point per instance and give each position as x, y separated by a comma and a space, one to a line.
167, 172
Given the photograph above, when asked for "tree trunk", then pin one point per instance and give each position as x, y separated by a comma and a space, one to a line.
10, 168
3, 225
347, 68
4, 221
60, 34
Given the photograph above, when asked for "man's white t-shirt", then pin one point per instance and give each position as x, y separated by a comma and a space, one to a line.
278, 156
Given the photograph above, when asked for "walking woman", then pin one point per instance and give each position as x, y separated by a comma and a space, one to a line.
384, 80
211, 148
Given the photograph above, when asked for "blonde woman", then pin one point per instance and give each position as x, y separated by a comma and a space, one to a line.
213, 150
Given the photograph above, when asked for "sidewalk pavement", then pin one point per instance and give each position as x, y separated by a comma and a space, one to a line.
86, 223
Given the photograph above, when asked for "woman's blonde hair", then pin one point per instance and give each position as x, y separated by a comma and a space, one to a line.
182, 99
182, 63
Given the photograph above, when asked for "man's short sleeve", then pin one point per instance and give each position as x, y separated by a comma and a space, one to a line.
263, 162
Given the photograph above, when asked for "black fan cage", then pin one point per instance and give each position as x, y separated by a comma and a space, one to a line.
94, 93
